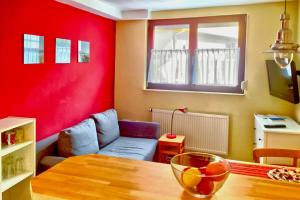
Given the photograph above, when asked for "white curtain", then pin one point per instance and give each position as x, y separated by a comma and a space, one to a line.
216, 67
169, 67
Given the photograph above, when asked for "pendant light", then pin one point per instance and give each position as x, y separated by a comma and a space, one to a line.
283, 49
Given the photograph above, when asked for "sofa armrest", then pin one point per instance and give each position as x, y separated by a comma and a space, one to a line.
45, 147
139, 129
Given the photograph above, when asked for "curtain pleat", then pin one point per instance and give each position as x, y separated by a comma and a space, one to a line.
212, 67
216, 67
169, 67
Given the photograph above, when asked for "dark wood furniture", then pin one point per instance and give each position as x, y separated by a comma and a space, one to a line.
167, 148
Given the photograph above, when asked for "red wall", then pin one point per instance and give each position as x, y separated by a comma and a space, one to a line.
57, 95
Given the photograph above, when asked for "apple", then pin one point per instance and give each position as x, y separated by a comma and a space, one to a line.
206, 186
191, 176
216, 168
202, 170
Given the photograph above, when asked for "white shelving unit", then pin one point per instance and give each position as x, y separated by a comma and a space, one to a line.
18, 187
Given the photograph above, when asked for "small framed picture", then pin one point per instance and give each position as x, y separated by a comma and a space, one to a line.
63, 51
33, 49
83, 51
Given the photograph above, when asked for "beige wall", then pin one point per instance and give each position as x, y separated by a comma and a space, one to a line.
132, 102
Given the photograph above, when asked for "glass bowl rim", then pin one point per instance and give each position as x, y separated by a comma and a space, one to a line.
201, 175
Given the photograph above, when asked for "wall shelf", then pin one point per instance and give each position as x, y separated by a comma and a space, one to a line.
14, 122
18, 186
12, 148
8, 183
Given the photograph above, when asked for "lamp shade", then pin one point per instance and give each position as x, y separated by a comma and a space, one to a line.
183, 109
283, 48
283, 59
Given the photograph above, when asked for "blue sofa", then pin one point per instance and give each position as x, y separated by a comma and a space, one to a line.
102, 133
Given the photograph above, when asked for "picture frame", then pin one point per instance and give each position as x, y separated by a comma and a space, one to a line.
62, 51
83, 51
33, 51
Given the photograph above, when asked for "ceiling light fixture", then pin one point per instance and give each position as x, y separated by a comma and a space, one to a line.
283, 49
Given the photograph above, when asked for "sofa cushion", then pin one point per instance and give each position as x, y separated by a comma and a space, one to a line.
49, 161
132, 148
139, 129
107, 127
78, 140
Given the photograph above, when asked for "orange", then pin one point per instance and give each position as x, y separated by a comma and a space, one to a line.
191, 176
216, 168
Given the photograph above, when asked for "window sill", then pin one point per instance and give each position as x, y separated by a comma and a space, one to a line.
194, 92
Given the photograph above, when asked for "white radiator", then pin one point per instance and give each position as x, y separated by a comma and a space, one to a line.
204, 132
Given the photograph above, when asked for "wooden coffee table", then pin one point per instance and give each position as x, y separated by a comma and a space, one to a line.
102, 177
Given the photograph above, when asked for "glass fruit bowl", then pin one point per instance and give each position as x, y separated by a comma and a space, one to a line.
200, 174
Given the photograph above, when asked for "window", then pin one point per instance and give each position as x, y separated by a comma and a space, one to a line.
169, 58
197, 54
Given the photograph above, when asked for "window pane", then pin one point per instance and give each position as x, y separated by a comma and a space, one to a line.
217, 56
169, 67
170, 58
218, 35
171, 37
216, 67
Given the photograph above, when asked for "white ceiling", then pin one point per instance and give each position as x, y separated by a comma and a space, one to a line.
141, 9
155, 5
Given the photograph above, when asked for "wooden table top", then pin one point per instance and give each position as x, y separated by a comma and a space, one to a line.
102, 177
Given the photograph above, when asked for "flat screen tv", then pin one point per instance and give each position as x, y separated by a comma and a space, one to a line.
283, 83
